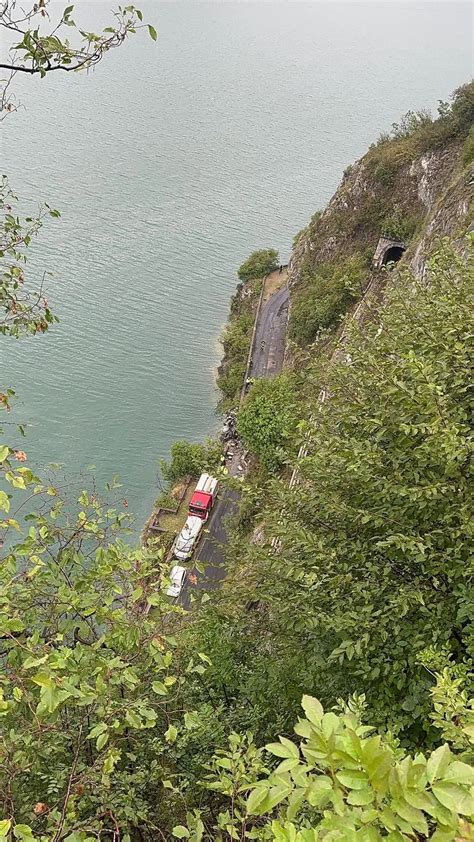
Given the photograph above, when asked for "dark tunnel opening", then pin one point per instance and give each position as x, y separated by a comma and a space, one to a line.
392, 254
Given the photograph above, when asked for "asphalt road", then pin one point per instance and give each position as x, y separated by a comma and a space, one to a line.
267, 360
269, 348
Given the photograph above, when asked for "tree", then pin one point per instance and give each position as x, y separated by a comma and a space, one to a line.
266, 420
37, 52
374, 540
259, 264
191, 459
324, 296
89, 683
87, 669
341, 781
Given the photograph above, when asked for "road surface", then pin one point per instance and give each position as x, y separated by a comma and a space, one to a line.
269, 348
267, 360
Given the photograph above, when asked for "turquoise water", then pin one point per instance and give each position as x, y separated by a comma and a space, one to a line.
170, 163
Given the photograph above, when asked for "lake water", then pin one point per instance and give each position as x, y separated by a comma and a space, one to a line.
169, 164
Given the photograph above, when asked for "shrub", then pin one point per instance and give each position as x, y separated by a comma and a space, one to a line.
398, 227
165, 500
190, 459
462, 108
186, 459
325, 297
267, 419
259, 264
468, 152
235, 341
411, 123
385, 173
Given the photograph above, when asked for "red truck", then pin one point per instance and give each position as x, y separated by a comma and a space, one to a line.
204, 496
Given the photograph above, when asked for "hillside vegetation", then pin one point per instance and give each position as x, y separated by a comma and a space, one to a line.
325, 692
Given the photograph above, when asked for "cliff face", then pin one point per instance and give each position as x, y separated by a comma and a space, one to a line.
407, 192
426, 198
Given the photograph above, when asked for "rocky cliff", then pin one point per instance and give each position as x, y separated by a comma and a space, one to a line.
414, 187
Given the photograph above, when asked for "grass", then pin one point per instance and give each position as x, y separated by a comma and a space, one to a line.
173, 522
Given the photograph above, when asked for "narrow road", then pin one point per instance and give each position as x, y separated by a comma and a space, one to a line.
267, 360
269, 350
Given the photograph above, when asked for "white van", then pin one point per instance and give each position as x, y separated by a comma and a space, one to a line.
177, 576
186, 539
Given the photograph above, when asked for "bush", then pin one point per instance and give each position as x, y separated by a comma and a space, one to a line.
259, 264
385, 173
398, 227
462, 109
325, 297
468, 152
267, 419
236, 342
191, 459
411, 123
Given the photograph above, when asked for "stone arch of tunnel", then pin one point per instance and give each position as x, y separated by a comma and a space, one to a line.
392, 255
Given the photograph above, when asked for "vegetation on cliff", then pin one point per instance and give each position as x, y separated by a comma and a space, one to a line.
383, 193
120, 722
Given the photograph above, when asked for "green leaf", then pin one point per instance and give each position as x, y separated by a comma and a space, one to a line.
285, 749
132, 719
352, 779
4, 451
191, 720
5, 826
4, 502
454, 797
43, 680
459, 773
24, 833
313, 709
361, 797
34, 662
319, 791
181, 832
438, 763
411, 815
171, 734
256, 799
152, 31
96, 730
102, 739
159, 688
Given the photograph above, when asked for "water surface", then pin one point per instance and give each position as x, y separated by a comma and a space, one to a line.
170, 163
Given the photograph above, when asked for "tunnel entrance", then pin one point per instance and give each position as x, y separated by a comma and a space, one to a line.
392, 254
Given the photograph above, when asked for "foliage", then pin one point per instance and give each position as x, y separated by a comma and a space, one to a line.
266, 420
165, 500
398, 227
38, 52
236, 342
417, 132
374, 539
324, 296
259, 264
468, 152
88, 680
385, 173
191, 459
24, 310
411, 123
342, 781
